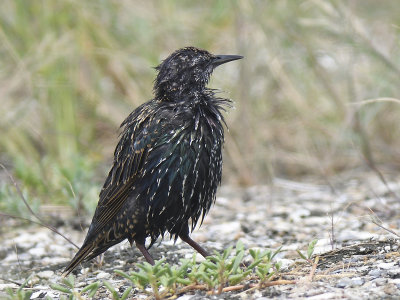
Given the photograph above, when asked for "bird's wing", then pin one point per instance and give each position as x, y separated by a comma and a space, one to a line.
129, 157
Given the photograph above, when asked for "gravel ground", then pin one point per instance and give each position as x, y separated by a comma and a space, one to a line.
357, 258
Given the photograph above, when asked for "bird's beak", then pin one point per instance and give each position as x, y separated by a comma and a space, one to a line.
221, 59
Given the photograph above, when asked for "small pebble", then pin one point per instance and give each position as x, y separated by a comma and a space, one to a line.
199, 258
3, 286
285, 263
394, 273
38, 251
38, 294
323, 296
350, 235
396, 282
390, 289
380, 281
45, 274
299, 213
344, 282
103, 275
226, 228
385, 266
185, 297
375, 272
56, 248
357, 281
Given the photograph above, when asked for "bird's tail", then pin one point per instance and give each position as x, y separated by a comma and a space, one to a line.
83, 252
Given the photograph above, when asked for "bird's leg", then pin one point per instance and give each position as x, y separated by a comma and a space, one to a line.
184, 235
146, 254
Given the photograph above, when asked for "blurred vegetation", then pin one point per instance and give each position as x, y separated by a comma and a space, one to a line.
71, 71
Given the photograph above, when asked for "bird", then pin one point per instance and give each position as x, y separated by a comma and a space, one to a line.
168, 161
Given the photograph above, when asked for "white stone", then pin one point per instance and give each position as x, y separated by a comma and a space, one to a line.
357, 281
324, 296
37, 251
199, 258
37, 294
226, 228
17, 257
103, 275
55, 260
353, 235
185, 297
300, 213
394, 272
32, 238
285, 263
344, 282
45, 274
3, 286
54, 248
385, 266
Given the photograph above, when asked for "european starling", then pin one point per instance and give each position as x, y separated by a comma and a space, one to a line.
168, 162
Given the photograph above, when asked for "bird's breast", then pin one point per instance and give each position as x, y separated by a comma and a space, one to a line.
181, 174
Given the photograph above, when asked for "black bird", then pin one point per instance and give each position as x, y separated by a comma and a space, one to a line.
168, 162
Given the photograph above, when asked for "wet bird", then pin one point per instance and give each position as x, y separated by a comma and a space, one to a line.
168, 162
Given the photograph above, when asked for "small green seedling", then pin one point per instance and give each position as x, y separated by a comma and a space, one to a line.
68, 287
20, 293
310, 251
114, 293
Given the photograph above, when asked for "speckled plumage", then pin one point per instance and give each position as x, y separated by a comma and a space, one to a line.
168, 162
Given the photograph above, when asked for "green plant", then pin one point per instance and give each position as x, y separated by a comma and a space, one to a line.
223, 269
11, 203
310, 251
264, 265
220, 271
67, 287
42, 182
147, 275
20, 293
115, 294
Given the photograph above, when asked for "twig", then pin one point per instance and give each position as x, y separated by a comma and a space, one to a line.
231, 288
20, 192
41, 222
314, 267
385, 228
374, 168
11, 281
192, 287
222, 283
16, 253
367, 156
254, 286
279, 282
234, 287
316, 276
38, 223
332, 233
383, 99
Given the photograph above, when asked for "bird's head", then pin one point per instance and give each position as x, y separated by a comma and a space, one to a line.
186, 71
